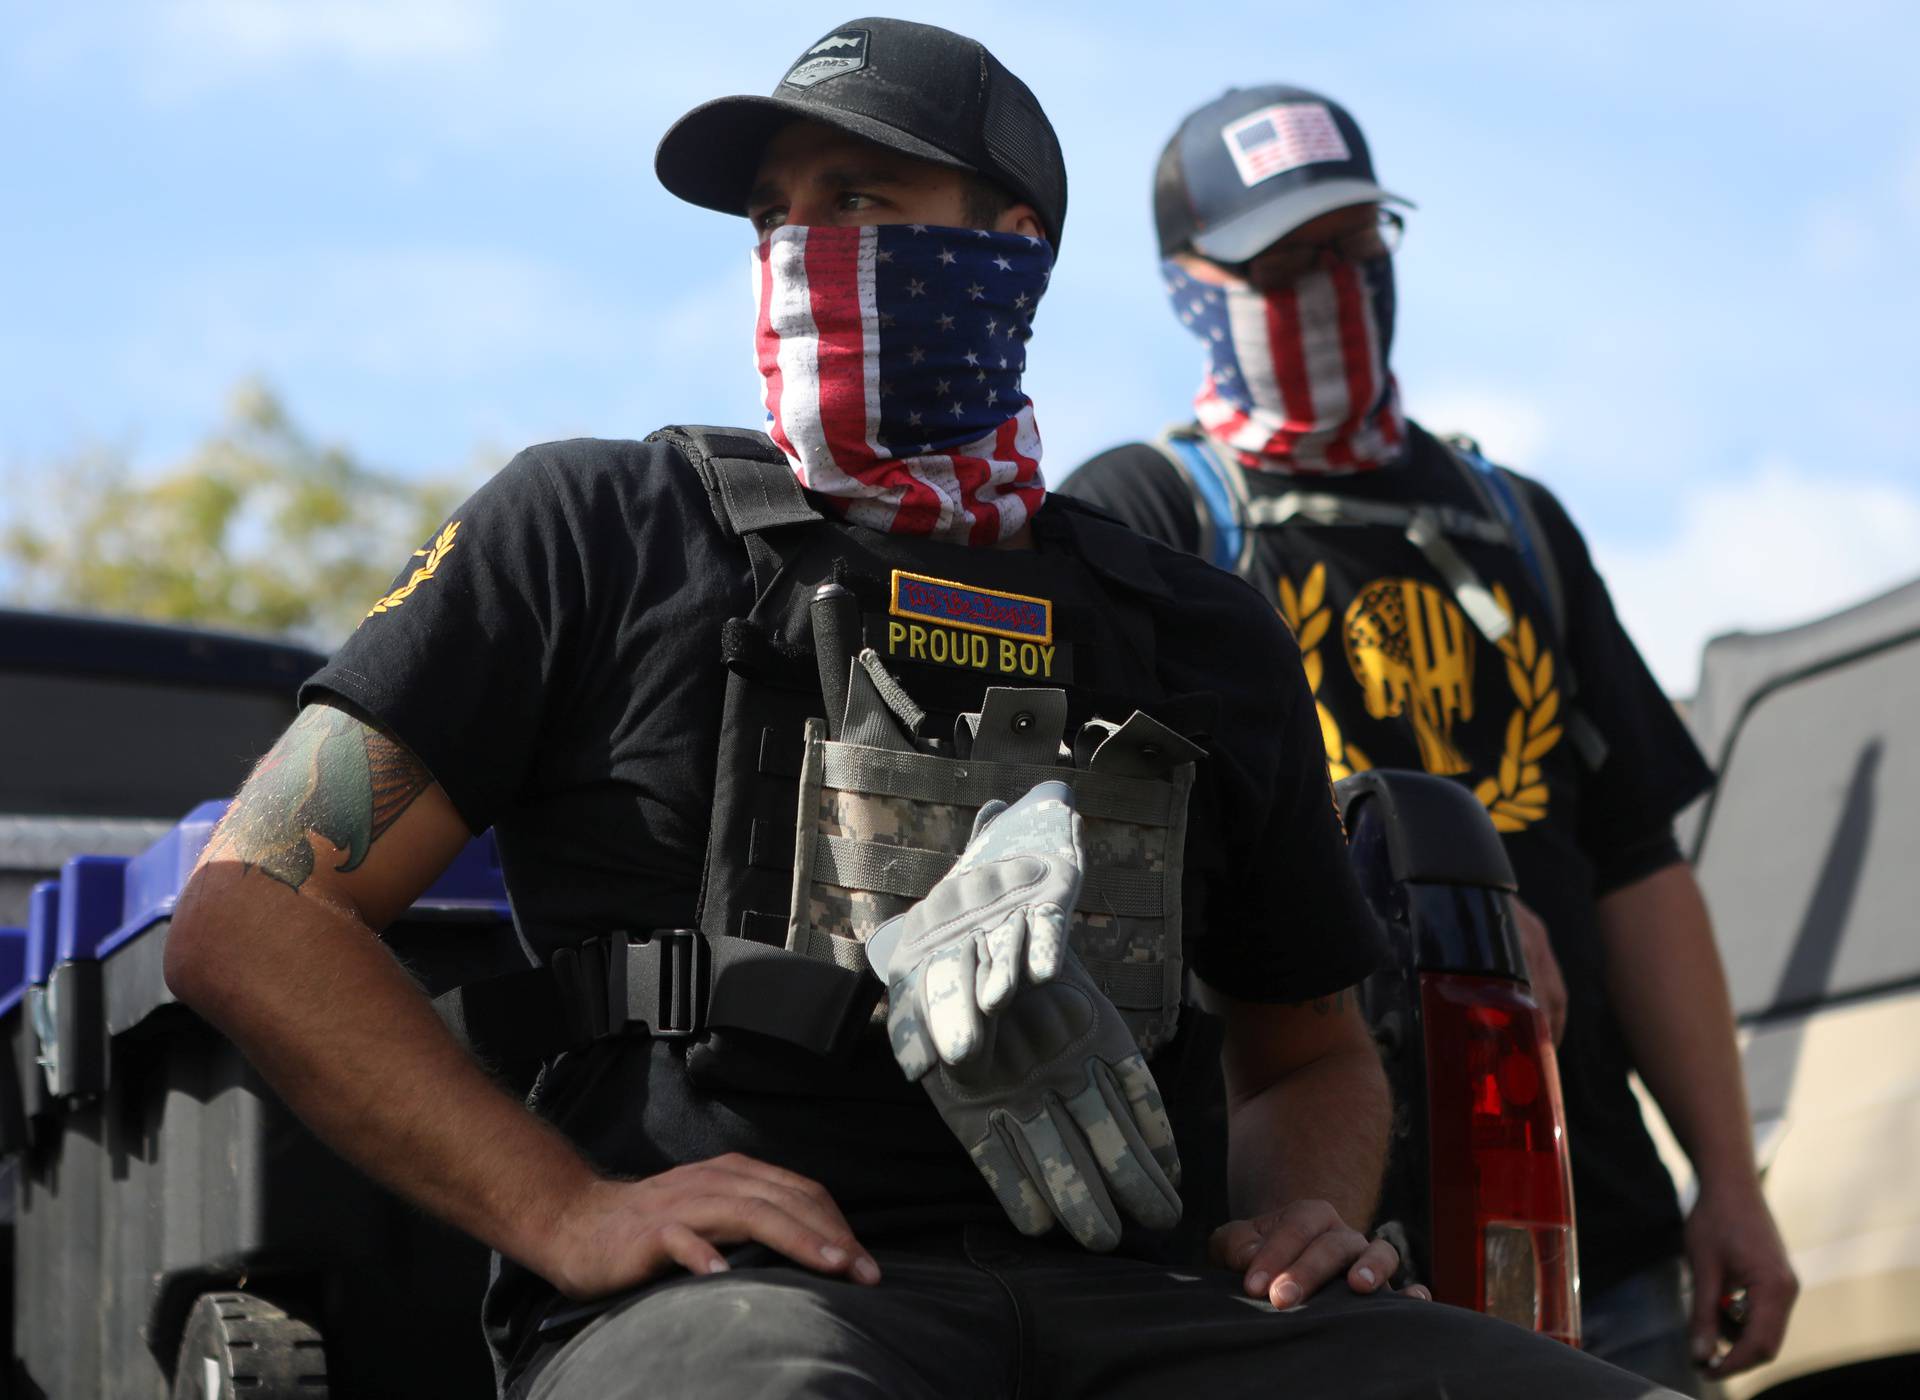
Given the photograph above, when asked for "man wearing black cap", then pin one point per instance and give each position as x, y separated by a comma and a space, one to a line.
763, 684
1450, 620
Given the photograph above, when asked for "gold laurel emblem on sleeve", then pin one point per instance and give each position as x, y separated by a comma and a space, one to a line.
1304, 609
433, 554
1516, 795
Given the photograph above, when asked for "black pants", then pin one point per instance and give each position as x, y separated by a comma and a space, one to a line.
994, 1315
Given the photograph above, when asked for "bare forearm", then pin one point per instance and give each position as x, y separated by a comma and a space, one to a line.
341, 1032
1318, 1133
1669, 994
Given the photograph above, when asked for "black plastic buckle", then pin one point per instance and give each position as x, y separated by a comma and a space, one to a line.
658, 981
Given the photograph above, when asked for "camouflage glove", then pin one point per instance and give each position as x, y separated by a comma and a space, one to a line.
1053, 1100
1001, 912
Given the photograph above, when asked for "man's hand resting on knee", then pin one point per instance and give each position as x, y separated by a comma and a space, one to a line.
617, 1234
1290, 1254
1307, 1118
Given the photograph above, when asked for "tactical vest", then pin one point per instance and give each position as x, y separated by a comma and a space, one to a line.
1236, 507
863, 730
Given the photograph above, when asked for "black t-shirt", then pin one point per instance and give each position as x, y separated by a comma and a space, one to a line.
554, 658
1404, 680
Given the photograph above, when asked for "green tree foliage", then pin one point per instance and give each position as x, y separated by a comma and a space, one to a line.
260, 527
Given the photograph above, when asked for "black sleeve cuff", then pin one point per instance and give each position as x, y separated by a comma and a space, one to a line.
1635, 860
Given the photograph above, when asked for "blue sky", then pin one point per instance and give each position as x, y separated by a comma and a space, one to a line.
1663, 257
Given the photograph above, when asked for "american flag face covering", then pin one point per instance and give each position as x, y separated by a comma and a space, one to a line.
1298, 380
890, 361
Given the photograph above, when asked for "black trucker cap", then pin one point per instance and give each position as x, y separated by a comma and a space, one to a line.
912, 88
1252, 166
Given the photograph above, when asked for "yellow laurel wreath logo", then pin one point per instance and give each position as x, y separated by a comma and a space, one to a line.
1305, 611
433, 554
1516, 795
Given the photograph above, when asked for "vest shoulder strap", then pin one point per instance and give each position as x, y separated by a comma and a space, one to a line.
1219, 498
750, 486
748, 479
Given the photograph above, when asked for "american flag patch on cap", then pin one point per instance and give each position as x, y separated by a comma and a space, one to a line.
1278, 139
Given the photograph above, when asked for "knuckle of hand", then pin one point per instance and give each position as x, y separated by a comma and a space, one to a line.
1287, 1242
1305, 1220
1231, 1238
1339, 1246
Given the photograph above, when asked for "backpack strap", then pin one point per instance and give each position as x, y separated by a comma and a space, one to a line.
750, 486
1230, 518
1505, 503
1499, 490
1328, 508
1219, 498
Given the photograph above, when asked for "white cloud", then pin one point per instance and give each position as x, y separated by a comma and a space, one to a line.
1783, 546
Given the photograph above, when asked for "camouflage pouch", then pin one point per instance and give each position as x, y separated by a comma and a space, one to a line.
880, 821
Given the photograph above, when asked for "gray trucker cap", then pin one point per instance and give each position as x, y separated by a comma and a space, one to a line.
1253, 165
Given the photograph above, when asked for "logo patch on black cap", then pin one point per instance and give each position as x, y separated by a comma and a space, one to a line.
843, 51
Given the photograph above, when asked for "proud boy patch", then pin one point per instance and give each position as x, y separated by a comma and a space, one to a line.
943, 623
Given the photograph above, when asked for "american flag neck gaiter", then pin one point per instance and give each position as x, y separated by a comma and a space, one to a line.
1297, 379
890, 361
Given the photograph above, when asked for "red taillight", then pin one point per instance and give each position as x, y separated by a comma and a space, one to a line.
1503, 1233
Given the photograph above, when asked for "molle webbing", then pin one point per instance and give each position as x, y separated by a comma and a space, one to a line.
903, 870
878, 822
879, 827
750, 485
970, 784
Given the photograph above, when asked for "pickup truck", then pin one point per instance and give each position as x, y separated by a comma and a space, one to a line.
1808, 851
174, 1231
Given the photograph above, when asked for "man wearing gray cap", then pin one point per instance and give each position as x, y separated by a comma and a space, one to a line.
758, 716
1450, 620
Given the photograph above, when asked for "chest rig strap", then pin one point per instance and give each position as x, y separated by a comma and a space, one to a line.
817, 837
750, 485
1232, 516
681, 984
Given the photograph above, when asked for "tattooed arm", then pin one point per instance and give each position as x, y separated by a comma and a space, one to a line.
338, 831
347, 783
1308, 1113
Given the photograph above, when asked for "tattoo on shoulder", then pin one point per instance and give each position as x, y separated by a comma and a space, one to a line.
329, 776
